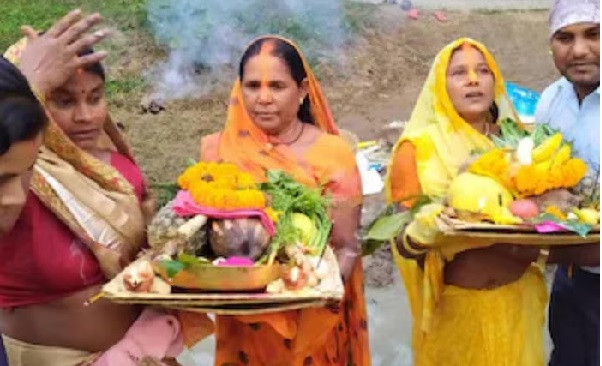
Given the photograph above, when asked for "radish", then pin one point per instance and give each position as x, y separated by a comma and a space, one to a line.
525, 209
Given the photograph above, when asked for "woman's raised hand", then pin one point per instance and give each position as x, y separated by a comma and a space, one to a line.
49, 59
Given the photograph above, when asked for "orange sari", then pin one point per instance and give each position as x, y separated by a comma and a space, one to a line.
316, 336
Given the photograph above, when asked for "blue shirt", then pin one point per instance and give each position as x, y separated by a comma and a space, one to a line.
580, 124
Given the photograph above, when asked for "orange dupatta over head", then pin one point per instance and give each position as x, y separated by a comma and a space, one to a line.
249, 147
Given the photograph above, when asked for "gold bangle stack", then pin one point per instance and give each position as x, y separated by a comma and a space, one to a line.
409, 248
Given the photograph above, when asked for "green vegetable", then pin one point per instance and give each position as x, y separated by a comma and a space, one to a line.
289, 197
306, 226
184, 261
172, 267
511, 134
391, 223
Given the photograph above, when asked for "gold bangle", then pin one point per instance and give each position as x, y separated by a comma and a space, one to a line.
542, 259
409, 248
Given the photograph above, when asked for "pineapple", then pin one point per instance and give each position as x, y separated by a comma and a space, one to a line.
189, 235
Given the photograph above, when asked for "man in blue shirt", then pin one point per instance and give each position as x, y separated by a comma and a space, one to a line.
572, 104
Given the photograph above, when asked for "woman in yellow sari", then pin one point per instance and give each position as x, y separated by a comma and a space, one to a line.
478, 306
278, 118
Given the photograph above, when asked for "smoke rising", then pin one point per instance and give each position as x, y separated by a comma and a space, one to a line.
205, 38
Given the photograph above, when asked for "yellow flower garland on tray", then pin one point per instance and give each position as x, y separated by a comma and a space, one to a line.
222, 186
534, 179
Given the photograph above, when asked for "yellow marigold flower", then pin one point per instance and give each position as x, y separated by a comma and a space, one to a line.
525, 181
493, 164
554, 178
245, 181
573, 170
555, 211
273, 214
221, 186
256, 199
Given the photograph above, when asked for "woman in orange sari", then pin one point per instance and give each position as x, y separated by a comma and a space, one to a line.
278, 118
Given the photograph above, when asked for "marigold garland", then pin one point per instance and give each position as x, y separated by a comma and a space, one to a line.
222, 186
529, 180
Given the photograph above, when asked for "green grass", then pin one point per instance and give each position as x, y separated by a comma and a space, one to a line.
129, 16
124, 85
123, 14
357, 16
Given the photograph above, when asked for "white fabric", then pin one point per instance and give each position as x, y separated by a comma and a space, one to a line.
372, 182
90, 222
595, 270
567, 12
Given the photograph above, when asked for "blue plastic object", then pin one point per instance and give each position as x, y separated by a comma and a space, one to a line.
524, 100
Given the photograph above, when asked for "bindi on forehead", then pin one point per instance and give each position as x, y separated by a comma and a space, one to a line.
265, 55
471, 58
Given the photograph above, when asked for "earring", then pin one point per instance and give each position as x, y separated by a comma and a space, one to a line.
301, 101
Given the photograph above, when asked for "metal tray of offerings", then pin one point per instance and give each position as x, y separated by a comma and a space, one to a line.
259, 301
221, 278
459, 230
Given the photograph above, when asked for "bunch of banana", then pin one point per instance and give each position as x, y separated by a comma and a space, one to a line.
471, 193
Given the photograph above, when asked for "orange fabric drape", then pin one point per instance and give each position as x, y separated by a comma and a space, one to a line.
404, 175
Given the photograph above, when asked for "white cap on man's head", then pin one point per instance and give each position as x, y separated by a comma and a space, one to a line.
567, 12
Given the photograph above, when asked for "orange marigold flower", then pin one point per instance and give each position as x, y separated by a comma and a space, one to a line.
525, 181
573, 170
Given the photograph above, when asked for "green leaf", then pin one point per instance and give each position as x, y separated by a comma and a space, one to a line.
189, 260
388, 227
172, 267
420, 201
572, 225
288, 197
498, 142
190, 162
371, 246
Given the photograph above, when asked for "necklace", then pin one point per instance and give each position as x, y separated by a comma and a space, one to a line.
297, 137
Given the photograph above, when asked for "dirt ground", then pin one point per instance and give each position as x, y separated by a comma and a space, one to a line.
377, 83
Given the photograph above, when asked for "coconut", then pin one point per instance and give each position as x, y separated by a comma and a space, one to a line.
238, 238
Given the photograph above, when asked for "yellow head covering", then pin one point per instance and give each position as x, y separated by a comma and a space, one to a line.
444, 140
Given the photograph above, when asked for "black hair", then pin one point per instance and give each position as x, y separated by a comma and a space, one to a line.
22, 117
291, 58
495, 112
95, 68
